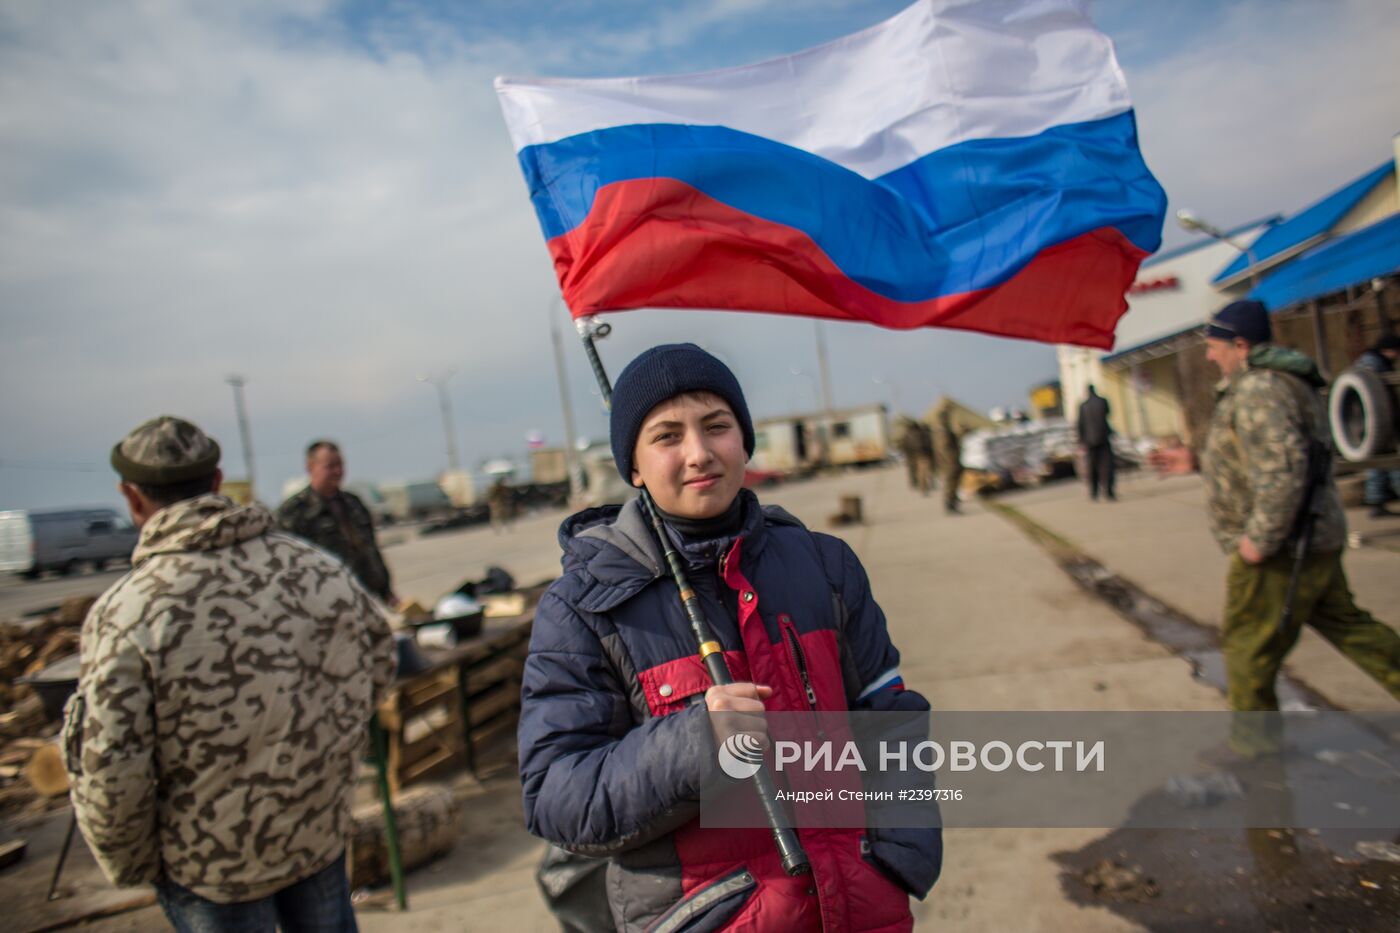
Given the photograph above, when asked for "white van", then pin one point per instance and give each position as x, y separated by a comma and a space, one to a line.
63, 540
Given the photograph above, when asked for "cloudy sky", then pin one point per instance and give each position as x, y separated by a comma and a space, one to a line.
321, 197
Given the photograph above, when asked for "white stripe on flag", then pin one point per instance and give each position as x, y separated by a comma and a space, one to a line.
939, 73
880, 681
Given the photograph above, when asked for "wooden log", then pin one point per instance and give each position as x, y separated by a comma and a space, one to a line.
428, 819
45, 771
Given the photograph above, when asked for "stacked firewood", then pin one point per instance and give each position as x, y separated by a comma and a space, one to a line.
27, 647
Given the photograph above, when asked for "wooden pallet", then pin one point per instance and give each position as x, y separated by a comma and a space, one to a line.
436, 720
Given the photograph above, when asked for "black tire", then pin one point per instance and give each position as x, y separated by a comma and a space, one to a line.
32, 573
1362, 415
67, 568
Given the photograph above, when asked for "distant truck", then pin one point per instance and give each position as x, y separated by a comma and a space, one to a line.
32, 541
409, 502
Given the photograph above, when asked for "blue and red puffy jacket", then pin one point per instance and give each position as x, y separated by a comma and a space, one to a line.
615, 739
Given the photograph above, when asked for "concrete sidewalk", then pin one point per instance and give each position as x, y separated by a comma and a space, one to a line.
1156, 536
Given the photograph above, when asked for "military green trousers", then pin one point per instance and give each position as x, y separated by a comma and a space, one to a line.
1255, 640
952, 476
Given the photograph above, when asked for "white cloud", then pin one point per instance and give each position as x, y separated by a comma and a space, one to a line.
195, 195
1277, 104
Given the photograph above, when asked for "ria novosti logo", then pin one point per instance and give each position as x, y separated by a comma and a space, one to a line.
741, 756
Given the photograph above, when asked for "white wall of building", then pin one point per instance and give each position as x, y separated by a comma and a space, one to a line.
1169, 296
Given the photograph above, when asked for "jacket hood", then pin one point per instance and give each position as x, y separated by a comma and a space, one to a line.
1284, 360
205, 523
616, 550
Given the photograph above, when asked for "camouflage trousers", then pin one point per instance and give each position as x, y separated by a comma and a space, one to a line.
952, 476
920, 468
1255, 641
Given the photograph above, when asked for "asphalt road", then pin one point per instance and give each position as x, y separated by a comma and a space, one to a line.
19, 596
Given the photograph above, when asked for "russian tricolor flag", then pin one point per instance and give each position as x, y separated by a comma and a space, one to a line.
968, 163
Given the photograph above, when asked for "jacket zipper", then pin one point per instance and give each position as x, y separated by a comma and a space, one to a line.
795, 646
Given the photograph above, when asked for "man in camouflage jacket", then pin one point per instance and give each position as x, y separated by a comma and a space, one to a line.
947, 441
215, 737
1255, 463
336, 520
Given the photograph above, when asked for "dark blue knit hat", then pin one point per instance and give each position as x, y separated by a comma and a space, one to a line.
1248, 320
659, 374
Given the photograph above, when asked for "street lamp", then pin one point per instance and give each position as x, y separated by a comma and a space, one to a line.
572, 466
1189, 221
246, 435
440, 382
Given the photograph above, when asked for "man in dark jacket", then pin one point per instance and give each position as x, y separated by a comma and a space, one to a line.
1096, 437
616, 730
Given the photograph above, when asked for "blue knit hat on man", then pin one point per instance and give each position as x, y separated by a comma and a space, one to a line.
1245, 319
662, 373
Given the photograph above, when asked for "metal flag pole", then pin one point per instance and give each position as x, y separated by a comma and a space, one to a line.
711, 654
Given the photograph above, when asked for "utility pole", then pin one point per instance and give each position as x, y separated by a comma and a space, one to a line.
440, 382
566, 406
894, 392
824, 368
827, 415
237, 382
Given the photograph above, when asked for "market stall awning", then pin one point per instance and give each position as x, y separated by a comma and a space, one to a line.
1155, 348
1304, 229
1349, 260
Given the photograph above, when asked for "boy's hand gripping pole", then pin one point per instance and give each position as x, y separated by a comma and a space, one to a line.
784, 837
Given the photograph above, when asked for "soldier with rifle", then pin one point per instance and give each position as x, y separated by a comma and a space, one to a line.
1274, 509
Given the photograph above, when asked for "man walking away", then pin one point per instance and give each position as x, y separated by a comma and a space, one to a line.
216, 734
1096, 437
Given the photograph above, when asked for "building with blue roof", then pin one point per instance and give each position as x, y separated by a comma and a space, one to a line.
1314, 269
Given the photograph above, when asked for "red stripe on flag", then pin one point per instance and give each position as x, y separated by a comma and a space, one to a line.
659, 243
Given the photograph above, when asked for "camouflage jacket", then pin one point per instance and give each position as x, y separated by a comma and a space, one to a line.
1255, 457
216, 734
310, 515
917, 440
947, 444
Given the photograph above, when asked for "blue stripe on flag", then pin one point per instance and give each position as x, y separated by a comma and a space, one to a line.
960, 219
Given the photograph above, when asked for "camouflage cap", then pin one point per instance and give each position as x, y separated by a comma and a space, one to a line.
165, 451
